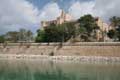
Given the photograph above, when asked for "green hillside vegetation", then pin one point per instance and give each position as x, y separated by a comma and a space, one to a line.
84, 28
22, 35
115, 32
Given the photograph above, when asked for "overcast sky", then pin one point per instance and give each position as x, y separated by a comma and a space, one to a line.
16, 14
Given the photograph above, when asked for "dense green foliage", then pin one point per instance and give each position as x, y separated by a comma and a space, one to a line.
88, 23
2, 39
40, 36
17, 36
112, 33
12, 36
56, 33
115, 32
25, 35
85, 27
115, 21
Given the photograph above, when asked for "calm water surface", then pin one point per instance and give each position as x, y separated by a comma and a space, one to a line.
45, 70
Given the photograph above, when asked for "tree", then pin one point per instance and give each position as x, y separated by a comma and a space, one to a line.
118, 33
17, 36
115, 32
29, 35
12, 36
22, 35
88, 22
115, 21
64, 32
56, 33
87, 27
25, 35
112, 34
71, 29
2, 39
40, 36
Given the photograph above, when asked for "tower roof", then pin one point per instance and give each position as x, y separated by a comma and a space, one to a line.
62, 13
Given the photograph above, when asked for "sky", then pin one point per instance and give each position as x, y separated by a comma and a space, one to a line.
16, 14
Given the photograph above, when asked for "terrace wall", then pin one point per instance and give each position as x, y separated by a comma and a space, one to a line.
66, 49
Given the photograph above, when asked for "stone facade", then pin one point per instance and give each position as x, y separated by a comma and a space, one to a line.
101, 34
64, 17
102, 25
103, 30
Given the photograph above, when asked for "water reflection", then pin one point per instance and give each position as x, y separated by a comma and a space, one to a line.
45, 70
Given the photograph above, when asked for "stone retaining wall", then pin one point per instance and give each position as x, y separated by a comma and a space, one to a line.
75, 49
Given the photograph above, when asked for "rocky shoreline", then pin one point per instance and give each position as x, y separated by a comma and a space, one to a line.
92, 59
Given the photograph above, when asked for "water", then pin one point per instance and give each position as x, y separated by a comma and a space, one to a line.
45, 70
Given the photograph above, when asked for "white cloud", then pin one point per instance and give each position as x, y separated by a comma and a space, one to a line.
15, 14
50, 12
102, 8
79, 9
107, 9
